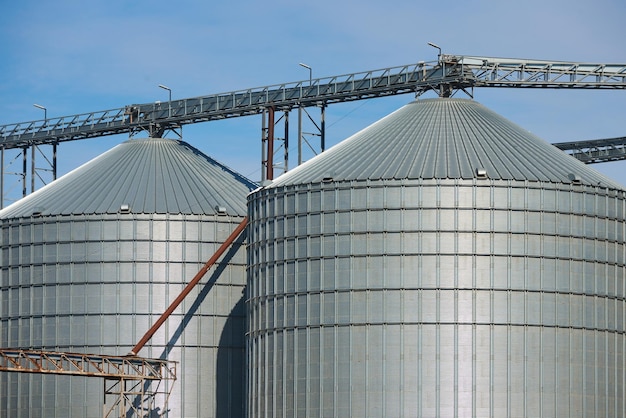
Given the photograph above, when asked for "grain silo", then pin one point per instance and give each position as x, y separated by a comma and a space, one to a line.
442, 262
90, 261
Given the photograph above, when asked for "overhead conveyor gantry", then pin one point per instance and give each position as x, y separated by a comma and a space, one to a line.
596, 151
450, 73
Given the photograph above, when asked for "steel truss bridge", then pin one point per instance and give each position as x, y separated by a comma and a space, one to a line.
131, 384
448, 75
596, 151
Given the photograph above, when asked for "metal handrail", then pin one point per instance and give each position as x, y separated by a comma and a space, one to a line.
450, 71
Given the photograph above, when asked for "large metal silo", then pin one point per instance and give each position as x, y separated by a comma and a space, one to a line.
90, 261
442, 262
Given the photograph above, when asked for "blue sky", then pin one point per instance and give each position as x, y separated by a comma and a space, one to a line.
76, 56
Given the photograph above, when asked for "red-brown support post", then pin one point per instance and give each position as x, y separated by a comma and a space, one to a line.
233, 236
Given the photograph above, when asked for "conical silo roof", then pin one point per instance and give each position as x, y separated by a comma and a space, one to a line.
444, 138
145, 176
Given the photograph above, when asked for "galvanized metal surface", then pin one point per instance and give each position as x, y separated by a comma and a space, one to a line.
94, 283
383, 295
444, 139
189, 287
437, 299
141, 176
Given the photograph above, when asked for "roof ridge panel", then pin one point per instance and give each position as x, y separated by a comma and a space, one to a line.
151, 175
444, 138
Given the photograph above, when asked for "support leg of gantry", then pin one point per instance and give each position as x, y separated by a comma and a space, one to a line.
270, 163
317, 129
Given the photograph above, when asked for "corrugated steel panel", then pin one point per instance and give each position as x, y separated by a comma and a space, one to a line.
437, 298
87, 277
405, 286
148, 175
95, 284
444, 139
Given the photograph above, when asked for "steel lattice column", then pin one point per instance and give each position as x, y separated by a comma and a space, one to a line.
36, 176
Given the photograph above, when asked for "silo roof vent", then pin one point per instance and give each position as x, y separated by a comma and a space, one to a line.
574, 178
481, 173
38, 211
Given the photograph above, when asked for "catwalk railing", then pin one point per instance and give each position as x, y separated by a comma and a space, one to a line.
596, 151
448, 73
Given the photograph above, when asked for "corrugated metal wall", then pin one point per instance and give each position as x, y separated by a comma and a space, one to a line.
436, 298
95, 284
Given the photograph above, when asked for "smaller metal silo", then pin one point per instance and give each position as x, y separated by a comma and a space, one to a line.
90, 261
442, 262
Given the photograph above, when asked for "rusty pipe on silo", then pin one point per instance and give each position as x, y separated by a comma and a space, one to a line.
155, 327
